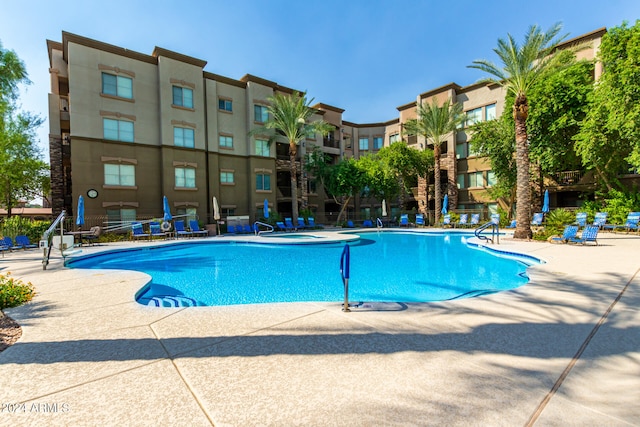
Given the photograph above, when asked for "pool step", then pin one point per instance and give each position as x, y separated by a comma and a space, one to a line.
171, 301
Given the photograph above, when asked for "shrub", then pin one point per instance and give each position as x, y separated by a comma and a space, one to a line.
13, 292
555, 222
17, 225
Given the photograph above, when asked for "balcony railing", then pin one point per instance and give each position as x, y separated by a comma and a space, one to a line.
568, 177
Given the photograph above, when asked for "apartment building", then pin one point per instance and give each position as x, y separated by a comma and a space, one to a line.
128, 128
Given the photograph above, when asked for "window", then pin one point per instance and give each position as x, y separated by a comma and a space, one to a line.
460, 181
394, 138
226, 178
117, 86
225, 105
262, 147
473, 116
183, 137
461, 151
263, 182
120, 175
120, 216
470, 150
191, 213
310, 134
377, 142
475, 179
118, 130
490, 112
491, 179
226, 141
363, 143
182, 97
185, 177
225, 212
261, 113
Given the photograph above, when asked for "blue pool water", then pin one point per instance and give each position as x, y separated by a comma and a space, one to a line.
389, 266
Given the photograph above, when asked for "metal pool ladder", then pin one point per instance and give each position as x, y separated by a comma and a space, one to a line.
495, 232
264, 224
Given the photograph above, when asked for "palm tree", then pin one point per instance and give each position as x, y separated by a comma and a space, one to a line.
289, 116
434, 123
521, 67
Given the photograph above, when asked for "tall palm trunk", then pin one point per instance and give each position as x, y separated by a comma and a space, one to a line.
436, 184
293, 150
523, 197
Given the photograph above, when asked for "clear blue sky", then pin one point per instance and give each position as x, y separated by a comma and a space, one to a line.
365, 56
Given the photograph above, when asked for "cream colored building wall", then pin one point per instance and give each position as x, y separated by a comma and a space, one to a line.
176, 73
255, 94
222, 122
86, 102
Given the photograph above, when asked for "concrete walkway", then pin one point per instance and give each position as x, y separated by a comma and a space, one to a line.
563, 350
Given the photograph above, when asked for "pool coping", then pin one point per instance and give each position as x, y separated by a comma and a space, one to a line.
550, 351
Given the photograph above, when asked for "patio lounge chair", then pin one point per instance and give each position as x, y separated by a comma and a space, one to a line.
589, 234
300, 225
463, 221
178, 225
404, 220
247, 229
8, 242
512, 224
630, 224
420, 220
288, 223
312, 223
537, 218
280, 225
25, 242
570, 232
138, 233
367, 223
446, 221
350, 224
93, 234
600, 220
195, 229
495, 218
581, 219
155, 230
475, 219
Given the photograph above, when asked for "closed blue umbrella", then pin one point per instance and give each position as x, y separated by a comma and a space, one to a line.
545, 204
266, 209
80, 216
445, 203
167, 210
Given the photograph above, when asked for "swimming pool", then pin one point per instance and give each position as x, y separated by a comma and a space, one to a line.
387, 266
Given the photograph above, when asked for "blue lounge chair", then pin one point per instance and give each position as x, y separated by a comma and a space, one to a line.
300, 224
570, 232
195, 229
600, 220
446, 221
512, 224
350, 224
463, 221
404, 220
280, 225
495, 218
420, 220
589, 234
247, 229
288, 223
180, 230
630, 224
138, 233
581, 219
155, 230
25, 242
8, 242
475, 219
312, 223
537, 218
367, 223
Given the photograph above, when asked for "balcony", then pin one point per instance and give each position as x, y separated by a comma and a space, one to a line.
331, 141
567, 177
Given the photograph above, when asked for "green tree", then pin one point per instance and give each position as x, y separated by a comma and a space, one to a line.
289, 115
434, 123
24, 174
495, 139
609, 138
521, 67
12, 73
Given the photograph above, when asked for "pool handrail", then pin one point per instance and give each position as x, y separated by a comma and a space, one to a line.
269, 229
495, 231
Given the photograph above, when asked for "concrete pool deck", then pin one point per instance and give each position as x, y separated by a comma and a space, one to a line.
562, 350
